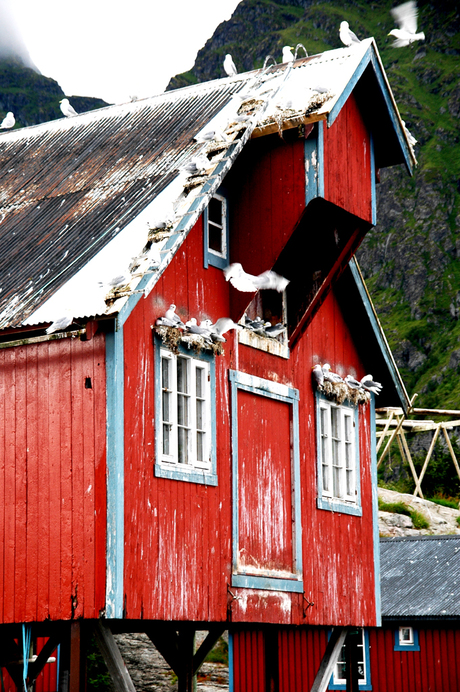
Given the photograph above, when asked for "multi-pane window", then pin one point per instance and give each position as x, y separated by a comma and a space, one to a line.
185, 411
216, 232
339, 678
338, 451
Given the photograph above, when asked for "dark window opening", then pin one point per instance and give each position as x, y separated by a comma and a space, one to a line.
88, 383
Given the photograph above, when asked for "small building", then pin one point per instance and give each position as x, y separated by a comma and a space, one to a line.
155, 480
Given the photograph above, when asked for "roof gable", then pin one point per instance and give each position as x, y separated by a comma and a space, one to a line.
78, 195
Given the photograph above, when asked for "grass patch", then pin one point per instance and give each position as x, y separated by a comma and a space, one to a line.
219, 654
458, 521
444, 501
418, 519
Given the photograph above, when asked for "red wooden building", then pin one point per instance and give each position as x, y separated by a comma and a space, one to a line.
151, 481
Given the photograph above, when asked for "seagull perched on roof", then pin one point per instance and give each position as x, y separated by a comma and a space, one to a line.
60, 324
211, 135
347, 36
405, 17
229, 66
196, 165
68, 110
248, 283
8, 121
288, 55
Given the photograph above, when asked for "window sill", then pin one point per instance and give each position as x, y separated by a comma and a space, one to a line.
267, 583
191, 475
338, 506
263, 343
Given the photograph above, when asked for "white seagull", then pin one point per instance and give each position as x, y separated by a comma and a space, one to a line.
353, 383
248, 283
405, 17
68, 110
222, 326
229, 66
60, 324
330, 376
197, 164
288, 55
8, 121
170, 319
368, 383
318, 375
347, 36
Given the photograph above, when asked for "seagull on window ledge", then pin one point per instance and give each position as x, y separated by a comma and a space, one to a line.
170, 319
221, 327
318, 375
353, 383
347, 36
368, 383
405, 16
330, 376
67, 110
248, 283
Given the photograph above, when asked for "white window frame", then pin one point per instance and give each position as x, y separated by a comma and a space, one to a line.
406, 642
213, 257
173, 460
338, 681
338, 457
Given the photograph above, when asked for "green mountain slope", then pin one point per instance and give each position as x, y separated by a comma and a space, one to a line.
34, 98
411, 258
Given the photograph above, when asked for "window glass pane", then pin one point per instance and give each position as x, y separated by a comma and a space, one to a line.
182, 444
182, 383
199, 382
165, 373
335, 422
166, 438
215, 211
165, 404
199, 414
182, 410
200, 446
215, 238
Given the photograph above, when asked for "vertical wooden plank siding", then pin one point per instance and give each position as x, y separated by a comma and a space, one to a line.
51, 442
177, 535
348, 180
435, 667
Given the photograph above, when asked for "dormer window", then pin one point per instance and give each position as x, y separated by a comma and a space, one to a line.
216, 232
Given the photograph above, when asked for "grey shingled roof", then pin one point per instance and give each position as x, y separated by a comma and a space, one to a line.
420, 577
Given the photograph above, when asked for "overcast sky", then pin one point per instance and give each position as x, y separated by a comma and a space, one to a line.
115, 50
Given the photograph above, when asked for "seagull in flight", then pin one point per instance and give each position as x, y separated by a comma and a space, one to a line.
229, 66
405, 17
8, 121
248, 283
347, 36
67, 109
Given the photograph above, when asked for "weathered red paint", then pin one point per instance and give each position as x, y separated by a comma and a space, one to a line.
178, 534
435, 667
52, 480
347, 162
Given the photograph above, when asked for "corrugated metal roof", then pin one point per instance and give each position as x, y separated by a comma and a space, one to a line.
420, 576
73, 189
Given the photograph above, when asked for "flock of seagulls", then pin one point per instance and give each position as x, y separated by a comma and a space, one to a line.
405, 16
67, 109
210, 332
323, 373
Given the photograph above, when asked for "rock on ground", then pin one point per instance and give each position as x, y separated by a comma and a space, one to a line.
442, 520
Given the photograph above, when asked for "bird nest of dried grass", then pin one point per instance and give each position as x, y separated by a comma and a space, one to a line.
338, 392
172, 338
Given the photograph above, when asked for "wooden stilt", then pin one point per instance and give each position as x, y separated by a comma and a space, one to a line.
418, 488
186, 653
113, 658
409, 459
451, 449
36, 667
330, 657
385, 430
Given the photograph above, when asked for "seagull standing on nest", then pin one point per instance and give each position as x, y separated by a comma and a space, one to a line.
347, 36
405, 17
229, 66
8, 121
67, 110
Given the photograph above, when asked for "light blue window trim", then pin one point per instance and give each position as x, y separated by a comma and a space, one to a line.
174, 472
314, 163
231, 684
414, 646
280, 392
211, 258
373, 181
367, 663
375, 517
333, 504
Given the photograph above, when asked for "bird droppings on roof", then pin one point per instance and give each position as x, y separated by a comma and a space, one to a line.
87, 197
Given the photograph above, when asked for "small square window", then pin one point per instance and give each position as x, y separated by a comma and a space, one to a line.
186, 428
338, 458
406, 639
216, 232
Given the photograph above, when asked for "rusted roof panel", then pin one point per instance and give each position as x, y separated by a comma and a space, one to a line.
420, 577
